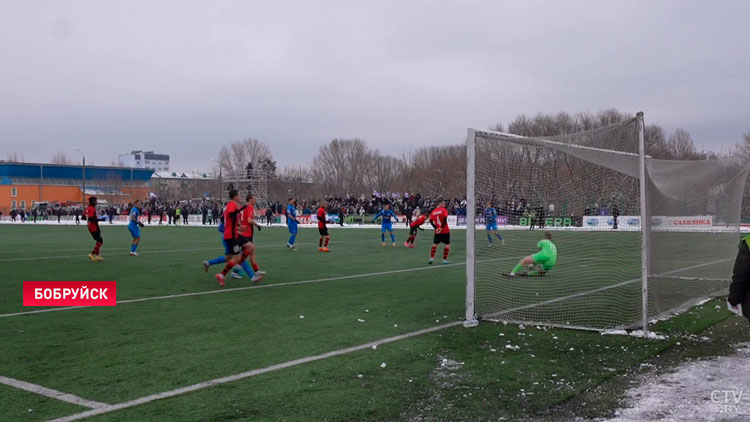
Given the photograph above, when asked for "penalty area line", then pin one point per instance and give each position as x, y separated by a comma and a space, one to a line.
142, 252
248, 374
259, 286
48, 392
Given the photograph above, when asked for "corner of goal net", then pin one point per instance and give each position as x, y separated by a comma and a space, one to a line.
471, 323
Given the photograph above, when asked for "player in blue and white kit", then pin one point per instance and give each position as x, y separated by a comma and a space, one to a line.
222, 259
490, 218
291, 223
135, 227
386, 213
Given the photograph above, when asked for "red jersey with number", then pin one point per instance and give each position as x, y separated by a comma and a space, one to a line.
248, 214
321, 218
439, 217
231, 221
93, 219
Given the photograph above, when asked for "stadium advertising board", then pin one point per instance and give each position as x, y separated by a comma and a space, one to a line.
461, 220
683, 222
553, 221
624, 222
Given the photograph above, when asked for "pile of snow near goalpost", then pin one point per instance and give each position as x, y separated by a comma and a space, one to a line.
674, 245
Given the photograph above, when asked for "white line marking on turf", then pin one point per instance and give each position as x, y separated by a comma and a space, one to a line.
127, 253
37, 258
247, 374
601, 289
48, 392
260, 286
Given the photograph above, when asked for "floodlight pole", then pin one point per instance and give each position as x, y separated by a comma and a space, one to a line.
645, 221
83, 179
471, 319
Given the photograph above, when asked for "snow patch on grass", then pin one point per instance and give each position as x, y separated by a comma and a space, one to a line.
694, 391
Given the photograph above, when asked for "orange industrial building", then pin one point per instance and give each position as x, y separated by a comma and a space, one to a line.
25, 185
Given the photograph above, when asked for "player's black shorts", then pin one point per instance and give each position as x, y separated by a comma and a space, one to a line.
232, 247
97, 235
442, 238
323, 231
242, 240
412, 231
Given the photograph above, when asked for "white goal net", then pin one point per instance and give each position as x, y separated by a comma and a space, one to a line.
635, 237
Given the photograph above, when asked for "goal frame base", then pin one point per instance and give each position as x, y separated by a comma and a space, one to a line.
471, 323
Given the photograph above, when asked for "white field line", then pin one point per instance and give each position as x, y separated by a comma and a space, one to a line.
259, 286
61, 248
40, 258
600, 289
251, 373
48, 392
120, 253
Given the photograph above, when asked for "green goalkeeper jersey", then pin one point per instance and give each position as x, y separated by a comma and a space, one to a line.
548, 251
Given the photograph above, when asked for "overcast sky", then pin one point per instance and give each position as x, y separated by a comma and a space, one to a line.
184, 77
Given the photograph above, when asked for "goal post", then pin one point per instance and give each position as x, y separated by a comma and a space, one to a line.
645, 220
636, 237
471, 319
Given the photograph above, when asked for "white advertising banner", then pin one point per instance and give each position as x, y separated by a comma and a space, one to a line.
601, 222
683, 222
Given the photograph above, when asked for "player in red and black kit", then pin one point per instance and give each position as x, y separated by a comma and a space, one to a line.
439, 219
413, 227
323, 228
93, 226
231, 234
247, 226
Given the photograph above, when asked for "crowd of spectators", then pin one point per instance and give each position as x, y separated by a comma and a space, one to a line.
161, 211
353, 205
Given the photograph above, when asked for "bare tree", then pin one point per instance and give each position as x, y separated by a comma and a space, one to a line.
15, 157
60, 158
387, 173
681, 145
341, 166
438, 171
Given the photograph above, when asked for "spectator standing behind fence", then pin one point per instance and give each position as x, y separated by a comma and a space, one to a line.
269, 216
204, 213
615, 214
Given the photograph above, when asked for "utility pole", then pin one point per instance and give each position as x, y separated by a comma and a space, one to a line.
83, 179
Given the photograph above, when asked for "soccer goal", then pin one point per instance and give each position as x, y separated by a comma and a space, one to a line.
636, 238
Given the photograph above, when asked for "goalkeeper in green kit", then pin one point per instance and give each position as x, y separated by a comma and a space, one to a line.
540, 263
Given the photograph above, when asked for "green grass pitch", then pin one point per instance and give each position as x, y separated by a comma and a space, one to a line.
360, 292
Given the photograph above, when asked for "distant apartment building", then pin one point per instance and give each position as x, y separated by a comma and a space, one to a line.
145, 160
